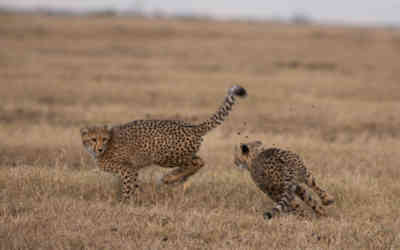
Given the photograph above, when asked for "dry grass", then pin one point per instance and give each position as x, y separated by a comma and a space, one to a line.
329, 93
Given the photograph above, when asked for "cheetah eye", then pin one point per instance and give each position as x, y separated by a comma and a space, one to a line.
94, 140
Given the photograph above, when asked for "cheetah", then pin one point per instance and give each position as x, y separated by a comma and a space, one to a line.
124, 149
280, 174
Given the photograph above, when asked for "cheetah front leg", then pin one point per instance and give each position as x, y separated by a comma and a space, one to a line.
187, 169
129, 182
326, 198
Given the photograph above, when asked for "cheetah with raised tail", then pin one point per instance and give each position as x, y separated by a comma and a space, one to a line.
124, 149
279, 174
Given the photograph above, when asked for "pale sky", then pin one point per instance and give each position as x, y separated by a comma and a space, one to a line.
343, 11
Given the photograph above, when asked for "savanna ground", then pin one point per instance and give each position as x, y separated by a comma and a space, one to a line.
332, 94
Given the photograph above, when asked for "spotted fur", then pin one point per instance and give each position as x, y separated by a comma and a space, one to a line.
280, 174
124, 149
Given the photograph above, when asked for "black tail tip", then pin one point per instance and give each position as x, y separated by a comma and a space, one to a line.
237, 90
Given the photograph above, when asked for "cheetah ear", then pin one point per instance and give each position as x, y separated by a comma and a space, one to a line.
245, 149
84, 131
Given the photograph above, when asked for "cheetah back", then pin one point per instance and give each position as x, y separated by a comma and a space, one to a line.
155, 141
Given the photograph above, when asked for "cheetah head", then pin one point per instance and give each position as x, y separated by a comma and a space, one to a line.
245, 153
95, 139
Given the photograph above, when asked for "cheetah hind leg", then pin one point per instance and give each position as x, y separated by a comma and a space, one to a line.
325, 197
286, 202
309, 200
183, 172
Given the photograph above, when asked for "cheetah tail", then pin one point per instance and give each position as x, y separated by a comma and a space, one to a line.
223, 111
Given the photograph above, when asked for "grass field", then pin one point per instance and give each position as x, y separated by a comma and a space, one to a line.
329, 93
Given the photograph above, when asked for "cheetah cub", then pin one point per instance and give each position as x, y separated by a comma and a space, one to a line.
280, 174
124, 149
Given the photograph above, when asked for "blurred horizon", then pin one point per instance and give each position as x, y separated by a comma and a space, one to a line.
354, 12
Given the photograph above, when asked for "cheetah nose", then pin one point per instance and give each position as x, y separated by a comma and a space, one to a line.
100, 150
